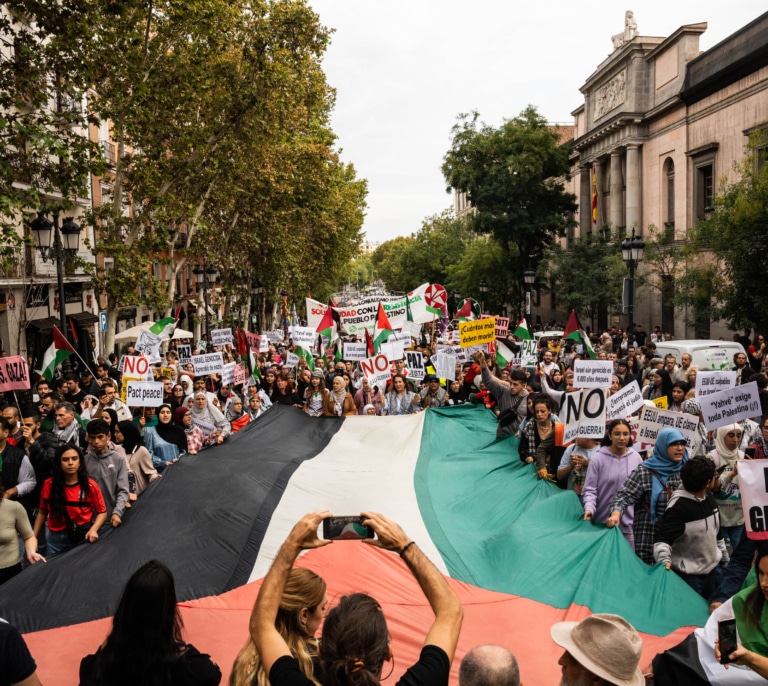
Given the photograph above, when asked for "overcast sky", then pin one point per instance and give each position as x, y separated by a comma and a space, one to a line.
403, 71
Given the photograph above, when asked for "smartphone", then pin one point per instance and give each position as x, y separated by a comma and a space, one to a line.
346, 529
726, 633
749, 453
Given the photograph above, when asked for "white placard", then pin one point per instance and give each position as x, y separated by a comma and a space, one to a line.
291, 360
584, 414
144, 394
137, 367
205, 427
274, 336
413, 329
654, 419
185, 353
393, 351
400, 336
228, 374
414, 362
355, 351
709, 383
753, 484
528, 353
221, 337
376, 370
625, 402
729, 406
149, 344
210, 363
445, 365
592, 373
304, 337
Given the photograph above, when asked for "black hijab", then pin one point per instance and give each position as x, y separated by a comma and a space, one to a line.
171, 432
113, 423
131, 436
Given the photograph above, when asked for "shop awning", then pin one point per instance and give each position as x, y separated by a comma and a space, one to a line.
83, 318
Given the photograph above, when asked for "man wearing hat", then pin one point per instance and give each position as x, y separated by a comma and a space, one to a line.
432, 395
601, 649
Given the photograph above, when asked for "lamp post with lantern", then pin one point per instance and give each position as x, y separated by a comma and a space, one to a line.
632, 253
529, 277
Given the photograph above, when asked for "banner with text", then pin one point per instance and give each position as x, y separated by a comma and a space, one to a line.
731, 405
376, 370
709, 383
583, 413
477, 332
414, 363
592, 373
445, 365
625, 402
210, 363
354, 352
144, 394
14, 374
753, 484
502, 327
652, 420
528, 353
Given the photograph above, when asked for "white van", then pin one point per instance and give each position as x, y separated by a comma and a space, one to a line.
706, 355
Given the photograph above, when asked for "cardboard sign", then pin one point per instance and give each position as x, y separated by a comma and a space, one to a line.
241, 374
185, 353
354, 352
144, 394
393, 351
228, 374
528, 356
14, 374
731, 405
413, 329
149, 344
592, 373
583, 413
210, 363
376, 370
502, 327
709, 383
137, 367
753, 483
274, 336
221, 337
414, 362
477, 332
304, 337
445, 365
292, 360
625, 402
653, 420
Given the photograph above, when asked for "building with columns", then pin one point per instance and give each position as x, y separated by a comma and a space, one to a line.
661, 126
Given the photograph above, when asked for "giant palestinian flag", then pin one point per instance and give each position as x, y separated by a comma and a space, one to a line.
516, 549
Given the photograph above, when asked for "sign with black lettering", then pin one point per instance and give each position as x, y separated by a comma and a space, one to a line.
584, 414
753, 483
414, 362
144, 394
731, 405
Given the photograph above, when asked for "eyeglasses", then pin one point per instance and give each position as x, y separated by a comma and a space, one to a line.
682, 443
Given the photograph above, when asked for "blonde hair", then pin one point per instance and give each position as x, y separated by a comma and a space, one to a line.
304, 590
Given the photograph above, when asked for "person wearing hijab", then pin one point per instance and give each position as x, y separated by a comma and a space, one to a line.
236, 415
727, 491
139, 459
203, 410
166, 441
196, 439
111, 418
649, 488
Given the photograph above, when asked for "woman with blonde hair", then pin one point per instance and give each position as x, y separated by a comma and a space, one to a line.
302, 608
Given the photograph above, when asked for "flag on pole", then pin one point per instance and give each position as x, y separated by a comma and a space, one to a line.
59, 351
327, 326
369, 343
594, 195
574, 332
465, 314
382, 330
164, 327
307, 355
72, 329
504, 355
522, 331
338, 354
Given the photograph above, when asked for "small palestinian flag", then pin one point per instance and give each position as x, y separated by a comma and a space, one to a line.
383, 329
504, 355
59, 351
574, 332
522, 331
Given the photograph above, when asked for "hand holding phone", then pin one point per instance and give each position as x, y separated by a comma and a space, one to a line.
726, 633
347, 528
749, 453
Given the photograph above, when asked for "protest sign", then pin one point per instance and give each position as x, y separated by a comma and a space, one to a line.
414, 363
149, 344
273, 336
292, 360
709, 383
625, 402
413, 329
124, 386
241, 372
753, 484
355, 351
399, 336
143, 394
121, 364
528, 353
477, 332
228, 374
393, 351
204, 426
185, 353
653, 420
221, 337
662, 403
304, 337
445, 365
14, 374
210, 363
592, 373
502, 327
376, 370
731, 405
166, 373
583, 413
137, 367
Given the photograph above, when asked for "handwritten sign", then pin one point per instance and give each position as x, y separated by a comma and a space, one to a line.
220, 337
625, 402
210, 363
653, 420
185, 353
228, 374
709, 383
731, 405
502, 327
393, 350
14, 374
583, 413
149, 344
304, 337
592, 373
528, 353
355, 351
445, 365
477, 332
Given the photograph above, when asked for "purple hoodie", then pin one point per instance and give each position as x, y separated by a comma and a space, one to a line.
605, 477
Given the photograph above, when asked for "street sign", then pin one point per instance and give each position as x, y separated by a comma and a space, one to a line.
103, 319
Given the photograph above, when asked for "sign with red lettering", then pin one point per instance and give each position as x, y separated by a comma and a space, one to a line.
376, 370
136, 366
14, 374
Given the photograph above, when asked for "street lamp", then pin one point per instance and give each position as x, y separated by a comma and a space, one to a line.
205, 277
61, 251
483, 285
632, 253
256, 291
529, 277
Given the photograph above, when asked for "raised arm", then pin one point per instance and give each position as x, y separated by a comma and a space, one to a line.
444, 632
269, 643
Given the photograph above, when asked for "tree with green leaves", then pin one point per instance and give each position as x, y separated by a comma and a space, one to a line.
513, 177
737, 235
